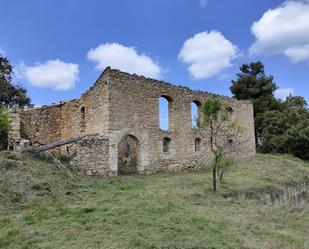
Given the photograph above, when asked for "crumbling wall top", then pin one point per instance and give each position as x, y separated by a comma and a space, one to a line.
134, 77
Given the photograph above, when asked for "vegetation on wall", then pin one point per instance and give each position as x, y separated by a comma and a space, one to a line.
4, 129
280, 126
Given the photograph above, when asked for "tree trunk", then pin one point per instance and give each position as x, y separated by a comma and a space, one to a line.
214, 169
57, 144
214, 175
214, 178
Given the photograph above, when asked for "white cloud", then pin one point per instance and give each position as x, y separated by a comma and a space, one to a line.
283, 93
297, 54
207, 54
54, 74
203, 3
283, 30
124, 58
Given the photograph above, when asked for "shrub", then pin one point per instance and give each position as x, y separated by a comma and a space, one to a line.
224, 163
9, 164
4, 129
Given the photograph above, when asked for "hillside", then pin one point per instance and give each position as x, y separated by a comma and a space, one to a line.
41, 207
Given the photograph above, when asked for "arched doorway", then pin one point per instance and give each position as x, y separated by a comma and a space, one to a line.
128, 155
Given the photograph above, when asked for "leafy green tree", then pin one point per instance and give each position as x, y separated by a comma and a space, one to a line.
280, 126
11, 95
253, 84
4, 129
287, 130
297, 140
295, 102
223, 135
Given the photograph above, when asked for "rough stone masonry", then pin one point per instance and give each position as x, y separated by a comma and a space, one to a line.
124, 110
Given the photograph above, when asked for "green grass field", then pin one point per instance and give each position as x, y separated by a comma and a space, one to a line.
40, 207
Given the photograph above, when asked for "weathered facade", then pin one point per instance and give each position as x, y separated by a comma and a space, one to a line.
124, 110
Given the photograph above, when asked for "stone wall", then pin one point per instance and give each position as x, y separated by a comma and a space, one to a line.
134, 110
92, 156
96, 103
42, 125
48, 124
14, 137
119, 105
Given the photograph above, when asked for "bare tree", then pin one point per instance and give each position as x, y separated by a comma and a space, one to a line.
223, 135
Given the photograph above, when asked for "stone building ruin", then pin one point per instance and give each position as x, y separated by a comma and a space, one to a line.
124, 110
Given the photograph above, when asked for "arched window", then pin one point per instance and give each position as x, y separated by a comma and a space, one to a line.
164, 110
197, 144
166, 144
82, 119
195, 112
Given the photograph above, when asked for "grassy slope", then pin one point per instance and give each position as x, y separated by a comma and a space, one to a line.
42, 208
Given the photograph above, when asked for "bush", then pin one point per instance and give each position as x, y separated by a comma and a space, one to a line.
297, 140
9, 164
224, 163
287, 130
7, 154
4, 129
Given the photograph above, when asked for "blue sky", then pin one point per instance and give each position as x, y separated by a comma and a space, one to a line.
195, 43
